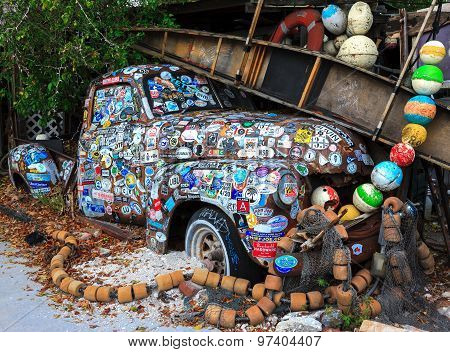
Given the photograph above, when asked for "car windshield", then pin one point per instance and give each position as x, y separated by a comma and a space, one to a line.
176, 91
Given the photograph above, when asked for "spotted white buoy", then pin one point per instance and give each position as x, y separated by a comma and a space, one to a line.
360, 19
329, 48
334, 19
360, 51
339, 40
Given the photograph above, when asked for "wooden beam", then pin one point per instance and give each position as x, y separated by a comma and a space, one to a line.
213, 66
163, 47
309, 83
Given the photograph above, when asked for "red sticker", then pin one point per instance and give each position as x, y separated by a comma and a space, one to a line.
264, 249
243, 206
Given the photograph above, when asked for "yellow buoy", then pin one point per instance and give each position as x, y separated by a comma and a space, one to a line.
352, 212
414, 135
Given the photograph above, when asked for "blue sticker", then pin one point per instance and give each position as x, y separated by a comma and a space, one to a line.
285, 263
278, 223
170, 204
357, 249
38, 177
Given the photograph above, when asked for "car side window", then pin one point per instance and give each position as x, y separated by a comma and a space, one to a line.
114, 104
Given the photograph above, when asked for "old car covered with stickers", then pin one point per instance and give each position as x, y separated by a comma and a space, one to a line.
187, 158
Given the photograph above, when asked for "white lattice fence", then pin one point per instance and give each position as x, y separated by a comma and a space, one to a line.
52, 130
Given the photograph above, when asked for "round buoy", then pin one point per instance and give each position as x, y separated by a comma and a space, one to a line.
330, 48
298, 301
339, 40
402, 154
340, 264
266, 305
334, 19
277, 298
75, 288
331, 215
177, 277
344, 298
414, 135
227, 318
387, 176
212, 280
90, 293
432, 52
71, 240
227, 283
420, 109
331, 291
200, 276
325, 196
125, 294
360, 19
64, 286
164, 282
255, 315
274, 283
371, 307
258, 291
303, 212
401, 272
140, 290
342, 232
367, 198
315, 300
212, 314
105, 294
394, 203
352, 212
359, 51
241, 286
361, 280
427, 80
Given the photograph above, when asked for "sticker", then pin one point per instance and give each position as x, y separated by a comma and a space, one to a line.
242, 206
278, 223
357, 249
102, 195
263, 212
303, 136
352, 168
302, 169
160, 237
183, 153
130, 181
266, 250
252, 194
310, 155
285, 263
335, 159
174, 181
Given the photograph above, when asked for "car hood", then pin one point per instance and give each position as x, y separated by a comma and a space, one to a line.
311, 145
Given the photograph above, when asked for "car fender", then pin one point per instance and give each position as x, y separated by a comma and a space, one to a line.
245, 190
36, 166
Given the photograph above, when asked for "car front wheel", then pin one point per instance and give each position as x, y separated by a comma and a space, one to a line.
212, 236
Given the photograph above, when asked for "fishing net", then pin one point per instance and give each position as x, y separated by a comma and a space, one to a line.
402, 289
317, 264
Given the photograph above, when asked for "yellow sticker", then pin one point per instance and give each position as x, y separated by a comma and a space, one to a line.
252, 220
303, 136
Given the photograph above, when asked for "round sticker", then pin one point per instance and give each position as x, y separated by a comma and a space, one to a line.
285, 263
130, 181
335, 159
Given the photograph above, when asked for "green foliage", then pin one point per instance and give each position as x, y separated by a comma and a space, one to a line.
322, 282
410, 5
57, 47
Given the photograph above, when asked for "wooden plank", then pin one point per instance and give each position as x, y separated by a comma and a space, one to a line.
111, 229
309, 84
213, 66
163, 47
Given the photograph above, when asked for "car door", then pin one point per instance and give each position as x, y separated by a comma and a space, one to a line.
109, 174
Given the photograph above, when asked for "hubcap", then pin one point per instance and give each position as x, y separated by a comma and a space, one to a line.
208, 247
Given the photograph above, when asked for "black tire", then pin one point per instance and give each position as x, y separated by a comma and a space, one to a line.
210, 222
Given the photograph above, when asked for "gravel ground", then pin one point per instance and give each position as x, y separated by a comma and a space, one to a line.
24, 308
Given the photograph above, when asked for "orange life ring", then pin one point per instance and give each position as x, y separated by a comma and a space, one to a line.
309, 18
